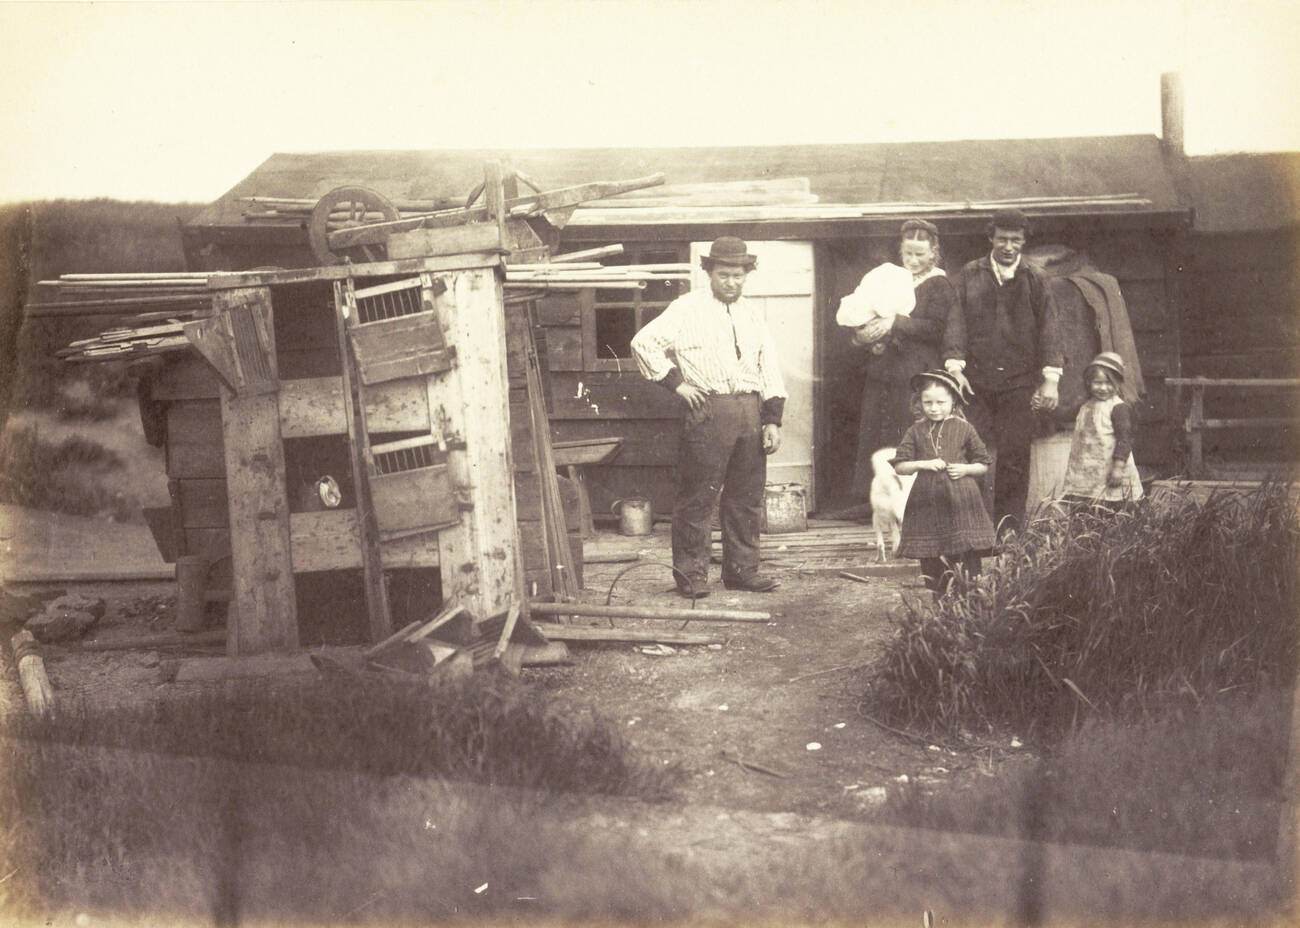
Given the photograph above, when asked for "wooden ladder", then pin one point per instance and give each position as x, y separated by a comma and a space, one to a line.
385, 333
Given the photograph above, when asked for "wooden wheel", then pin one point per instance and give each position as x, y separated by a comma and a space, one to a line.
342, 208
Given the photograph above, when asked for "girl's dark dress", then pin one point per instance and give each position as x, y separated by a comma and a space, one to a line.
944, 516
911, 346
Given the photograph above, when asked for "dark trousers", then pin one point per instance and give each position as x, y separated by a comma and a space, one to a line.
936, 572
1006, 424
721, 452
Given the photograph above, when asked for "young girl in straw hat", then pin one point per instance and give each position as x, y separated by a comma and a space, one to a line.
945, 523
1101, 466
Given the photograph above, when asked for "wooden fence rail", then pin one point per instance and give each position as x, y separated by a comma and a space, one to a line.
1196, 423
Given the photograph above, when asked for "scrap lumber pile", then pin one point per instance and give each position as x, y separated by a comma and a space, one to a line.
144, 331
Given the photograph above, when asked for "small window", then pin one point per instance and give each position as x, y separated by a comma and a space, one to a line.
615, 315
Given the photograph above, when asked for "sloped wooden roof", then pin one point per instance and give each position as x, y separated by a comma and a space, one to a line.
881, 173
1245, 192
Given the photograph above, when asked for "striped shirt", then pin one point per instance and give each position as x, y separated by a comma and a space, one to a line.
716, 347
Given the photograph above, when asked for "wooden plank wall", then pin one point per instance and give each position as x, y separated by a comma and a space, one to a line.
1242, 319
603, 404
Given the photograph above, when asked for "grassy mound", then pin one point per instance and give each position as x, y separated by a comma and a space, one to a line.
1107, 614
487, 729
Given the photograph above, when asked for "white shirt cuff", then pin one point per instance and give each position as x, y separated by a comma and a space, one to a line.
1052, 374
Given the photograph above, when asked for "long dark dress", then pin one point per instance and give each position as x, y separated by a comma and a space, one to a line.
911, 346
944, 516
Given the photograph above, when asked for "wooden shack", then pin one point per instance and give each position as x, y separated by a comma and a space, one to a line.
818, 216
397, 385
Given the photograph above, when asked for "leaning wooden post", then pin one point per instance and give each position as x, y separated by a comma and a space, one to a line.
31, 674
477, 557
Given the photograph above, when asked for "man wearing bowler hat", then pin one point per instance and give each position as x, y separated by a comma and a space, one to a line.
1004, 343
713, 349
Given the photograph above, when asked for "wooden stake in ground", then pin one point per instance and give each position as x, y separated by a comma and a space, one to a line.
31, 674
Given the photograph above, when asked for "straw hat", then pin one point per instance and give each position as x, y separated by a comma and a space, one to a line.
1110, 361
921, 380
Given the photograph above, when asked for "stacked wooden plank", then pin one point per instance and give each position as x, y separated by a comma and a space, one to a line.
834, 541
150, 309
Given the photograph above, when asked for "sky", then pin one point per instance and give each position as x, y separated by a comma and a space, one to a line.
178, 101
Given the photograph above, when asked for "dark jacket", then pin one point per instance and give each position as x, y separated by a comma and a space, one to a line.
1006, 334
912, 345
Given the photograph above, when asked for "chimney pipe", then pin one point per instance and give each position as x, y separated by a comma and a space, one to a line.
1171, 113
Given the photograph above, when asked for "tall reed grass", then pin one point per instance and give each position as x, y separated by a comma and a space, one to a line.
1103, 613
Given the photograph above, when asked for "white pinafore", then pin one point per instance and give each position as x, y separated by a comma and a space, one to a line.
1091, 452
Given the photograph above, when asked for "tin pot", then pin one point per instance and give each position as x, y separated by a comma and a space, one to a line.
635, 515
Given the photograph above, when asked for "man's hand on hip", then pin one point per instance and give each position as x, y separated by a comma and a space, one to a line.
771, 438
694, 396
1046, 397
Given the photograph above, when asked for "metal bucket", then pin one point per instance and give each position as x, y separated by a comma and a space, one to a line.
635, 515
785, 508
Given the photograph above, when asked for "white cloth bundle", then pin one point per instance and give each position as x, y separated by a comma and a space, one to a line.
886, 291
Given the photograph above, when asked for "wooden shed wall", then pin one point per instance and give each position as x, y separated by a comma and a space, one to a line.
1242, 319
586, 404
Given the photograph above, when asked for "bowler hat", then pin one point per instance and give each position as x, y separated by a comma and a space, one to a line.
921, 380
1110, 361
728, 250
1009, 220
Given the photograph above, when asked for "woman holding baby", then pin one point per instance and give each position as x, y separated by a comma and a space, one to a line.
898, 316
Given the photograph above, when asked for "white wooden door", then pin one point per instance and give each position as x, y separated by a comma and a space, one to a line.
782, 285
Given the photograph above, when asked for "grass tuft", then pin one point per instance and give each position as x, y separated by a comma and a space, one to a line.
486, 729
59, 476
1206, 781
1107, 614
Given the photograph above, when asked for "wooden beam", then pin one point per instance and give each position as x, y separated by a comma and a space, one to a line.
455, 240
314, 406
265, 616
557, 632
378, 615
329, 540
162, 640
477, 557
1274, 383
666, 613
227, 280
37, 691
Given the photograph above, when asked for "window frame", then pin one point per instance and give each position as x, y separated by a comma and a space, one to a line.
635, 253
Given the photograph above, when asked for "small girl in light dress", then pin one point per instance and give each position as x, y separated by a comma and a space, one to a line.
1101, 467
945, 523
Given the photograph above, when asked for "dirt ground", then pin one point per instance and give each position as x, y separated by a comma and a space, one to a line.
783, 695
